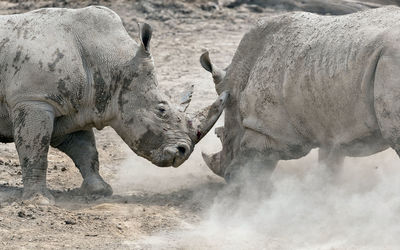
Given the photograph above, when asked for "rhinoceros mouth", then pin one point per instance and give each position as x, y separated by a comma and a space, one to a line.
175, 163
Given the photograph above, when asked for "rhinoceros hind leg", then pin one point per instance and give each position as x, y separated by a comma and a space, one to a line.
95, 185
33, 126
81, 148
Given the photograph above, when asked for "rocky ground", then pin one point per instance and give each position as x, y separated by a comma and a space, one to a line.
147, 201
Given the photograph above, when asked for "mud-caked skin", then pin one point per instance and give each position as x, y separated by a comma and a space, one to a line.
65, 71
300, 81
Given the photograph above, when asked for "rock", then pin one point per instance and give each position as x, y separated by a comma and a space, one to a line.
91, 235
70, 222
21, 214
210, 6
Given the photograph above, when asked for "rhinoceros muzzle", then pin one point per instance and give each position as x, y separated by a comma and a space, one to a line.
198, 126
177, 155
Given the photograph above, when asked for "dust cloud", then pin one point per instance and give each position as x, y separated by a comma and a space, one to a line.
138, 174
303, 208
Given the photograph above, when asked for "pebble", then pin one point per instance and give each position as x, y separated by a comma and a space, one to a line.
70, 222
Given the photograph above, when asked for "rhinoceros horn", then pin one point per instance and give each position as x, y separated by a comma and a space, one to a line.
217, 74
204, 120
214, 163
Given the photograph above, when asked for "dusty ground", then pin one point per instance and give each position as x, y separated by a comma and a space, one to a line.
147, 201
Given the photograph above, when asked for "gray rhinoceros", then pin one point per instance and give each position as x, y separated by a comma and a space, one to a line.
65, 71
300, 81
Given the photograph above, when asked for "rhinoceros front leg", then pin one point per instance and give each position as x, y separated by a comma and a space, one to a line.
81, 148
33, 126
252, 161
250, 166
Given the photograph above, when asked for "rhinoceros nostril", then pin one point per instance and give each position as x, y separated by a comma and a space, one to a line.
182, 150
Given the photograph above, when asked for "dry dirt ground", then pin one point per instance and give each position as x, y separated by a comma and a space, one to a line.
147, 201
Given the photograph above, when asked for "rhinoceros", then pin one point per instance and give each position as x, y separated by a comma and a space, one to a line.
300, 81
66, 71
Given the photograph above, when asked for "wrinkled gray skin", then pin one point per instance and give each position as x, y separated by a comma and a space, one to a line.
63, 72
300, 81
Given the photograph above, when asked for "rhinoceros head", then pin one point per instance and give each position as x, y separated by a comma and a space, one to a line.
151, 126
230, 134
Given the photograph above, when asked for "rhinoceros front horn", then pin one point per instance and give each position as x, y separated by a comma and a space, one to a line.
204, 120
214, 163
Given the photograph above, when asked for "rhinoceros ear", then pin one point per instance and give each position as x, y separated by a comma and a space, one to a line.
206, 62
217, 74
145, 32
186, 98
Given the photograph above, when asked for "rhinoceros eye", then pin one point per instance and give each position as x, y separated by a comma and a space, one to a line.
162, 110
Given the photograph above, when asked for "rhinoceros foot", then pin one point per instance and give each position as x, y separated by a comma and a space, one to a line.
41, 196
95, 185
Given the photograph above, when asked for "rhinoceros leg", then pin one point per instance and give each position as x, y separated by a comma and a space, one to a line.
250, 166
332, 158
81, 148
252, 161
33, 126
